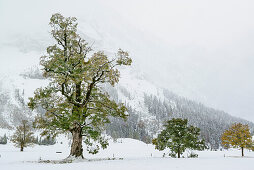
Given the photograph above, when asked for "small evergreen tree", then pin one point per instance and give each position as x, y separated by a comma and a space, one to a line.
3, 140
238, 135
177, 136
23, 136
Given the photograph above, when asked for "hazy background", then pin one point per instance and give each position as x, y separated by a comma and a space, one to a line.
200, 49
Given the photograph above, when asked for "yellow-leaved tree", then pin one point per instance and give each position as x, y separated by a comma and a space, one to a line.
237, 136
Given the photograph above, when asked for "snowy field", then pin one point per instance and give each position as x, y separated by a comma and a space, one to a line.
136, 156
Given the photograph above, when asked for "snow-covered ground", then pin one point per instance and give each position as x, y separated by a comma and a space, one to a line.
136, 156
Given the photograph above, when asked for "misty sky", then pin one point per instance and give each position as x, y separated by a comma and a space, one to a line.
201, 49
212, 41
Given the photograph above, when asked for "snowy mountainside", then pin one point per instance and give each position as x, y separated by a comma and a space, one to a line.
14, 93
15, 90
149, 105
132, 87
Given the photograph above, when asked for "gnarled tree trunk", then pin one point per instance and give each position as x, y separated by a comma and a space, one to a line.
76, 146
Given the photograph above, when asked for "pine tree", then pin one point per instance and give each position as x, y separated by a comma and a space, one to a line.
177, 136
74, 100
238, 135
3, 140
23, 136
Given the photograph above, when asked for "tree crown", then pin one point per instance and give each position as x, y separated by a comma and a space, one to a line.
178, 136
23, 136
75, 96
238, 135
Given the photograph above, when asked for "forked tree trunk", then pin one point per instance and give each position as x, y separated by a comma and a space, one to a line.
76, 146
242, 152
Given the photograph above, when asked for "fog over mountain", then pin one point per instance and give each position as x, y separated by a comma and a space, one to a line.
200, 49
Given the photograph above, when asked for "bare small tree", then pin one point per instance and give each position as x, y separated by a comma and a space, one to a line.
23, 135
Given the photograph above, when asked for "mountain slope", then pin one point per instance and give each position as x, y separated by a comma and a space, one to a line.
149, 104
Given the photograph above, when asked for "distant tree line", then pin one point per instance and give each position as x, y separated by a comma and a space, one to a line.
133, 127
45, 140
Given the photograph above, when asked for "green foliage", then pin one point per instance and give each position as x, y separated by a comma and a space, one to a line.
23, 136
177, 136
74, 97
3, 140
